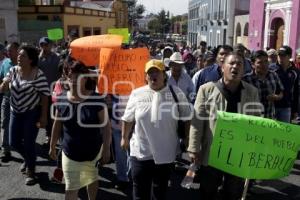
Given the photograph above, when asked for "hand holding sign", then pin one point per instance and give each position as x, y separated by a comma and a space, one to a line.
87, 49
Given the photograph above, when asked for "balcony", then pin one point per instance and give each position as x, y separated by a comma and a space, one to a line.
208, 16
216, 16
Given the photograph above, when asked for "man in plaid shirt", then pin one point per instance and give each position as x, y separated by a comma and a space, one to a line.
267, 82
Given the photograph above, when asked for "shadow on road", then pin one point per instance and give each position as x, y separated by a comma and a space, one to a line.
280, 191
47, 185
296, 166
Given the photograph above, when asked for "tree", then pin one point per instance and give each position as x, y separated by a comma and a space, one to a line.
164, 21
135, 11
153, 25
161, 23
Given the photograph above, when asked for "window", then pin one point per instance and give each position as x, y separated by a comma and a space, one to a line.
211, 6
246, 29
238, 30
2, 23
74, 28
86, 31
225, 9
56, 18
42, 17
210, 38
218, 42
97, 31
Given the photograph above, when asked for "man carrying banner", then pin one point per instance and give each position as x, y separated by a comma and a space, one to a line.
228, 94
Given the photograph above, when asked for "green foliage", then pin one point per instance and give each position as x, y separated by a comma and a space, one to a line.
135, 11
161, 23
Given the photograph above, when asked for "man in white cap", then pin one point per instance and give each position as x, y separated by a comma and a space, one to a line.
178, 76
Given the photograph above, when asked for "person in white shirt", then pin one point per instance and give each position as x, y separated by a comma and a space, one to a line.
152, 111
178, 76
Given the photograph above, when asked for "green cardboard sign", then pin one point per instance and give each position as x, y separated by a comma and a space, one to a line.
120, 31
55, 34
254, 147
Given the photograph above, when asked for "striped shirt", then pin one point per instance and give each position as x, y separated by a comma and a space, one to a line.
25, 94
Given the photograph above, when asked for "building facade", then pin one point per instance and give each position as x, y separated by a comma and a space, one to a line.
256, 25
87, 18
213, 20
142, 24
277, 26
8, 21
180, 25
241, 30
193, 22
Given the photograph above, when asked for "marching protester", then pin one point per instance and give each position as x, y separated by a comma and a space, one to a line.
213, 72
121, 157
80, 112
3, 59
288, 107
154, 142
202, 60
178, 77
60, 87
242, 50
227, 94
12, 52
189, 62
267, 82
29, 101
272, 58
48, 63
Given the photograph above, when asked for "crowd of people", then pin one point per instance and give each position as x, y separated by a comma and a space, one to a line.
42, 88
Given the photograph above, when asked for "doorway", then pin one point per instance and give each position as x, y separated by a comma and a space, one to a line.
277, 33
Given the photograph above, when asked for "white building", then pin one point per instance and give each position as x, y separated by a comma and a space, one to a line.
142, 24
8, 21
213, 20
193, 22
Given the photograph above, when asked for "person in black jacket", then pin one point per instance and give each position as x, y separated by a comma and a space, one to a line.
288, 107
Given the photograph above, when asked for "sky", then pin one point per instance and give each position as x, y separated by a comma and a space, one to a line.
176, 7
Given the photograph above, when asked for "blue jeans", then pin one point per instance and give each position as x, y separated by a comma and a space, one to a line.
120, 156
23, 133
5, 109
283, 114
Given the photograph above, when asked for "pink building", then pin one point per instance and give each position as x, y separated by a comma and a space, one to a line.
271, 24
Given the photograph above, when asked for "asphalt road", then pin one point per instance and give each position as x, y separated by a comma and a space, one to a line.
12, 183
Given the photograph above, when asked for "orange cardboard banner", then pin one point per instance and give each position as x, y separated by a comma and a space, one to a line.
122, 70
87, 49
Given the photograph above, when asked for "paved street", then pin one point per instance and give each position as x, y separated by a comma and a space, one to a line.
12, 183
